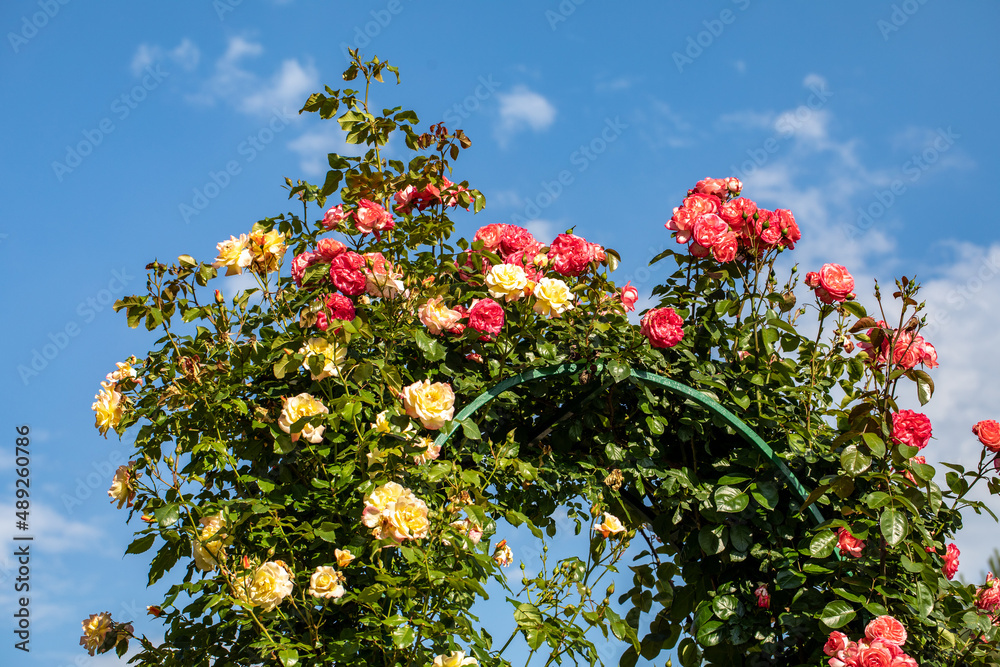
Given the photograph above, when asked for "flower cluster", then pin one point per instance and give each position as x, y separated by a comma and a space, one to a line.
410, 198
208, 548
880, 647
904, 347
395, 513
715, 221
109, 404
260, 251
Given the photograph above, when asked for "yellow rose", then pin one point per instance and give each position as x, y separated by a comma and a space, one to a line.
393, 512
266, 587
432, 404
123, 372
344, 557
266, 250
208, 549
332, 357
506, 281
297, 407
327, 582
610, 526
430, 451
107, 408
233, 254
438, 317
454, 659
95, 630
552, 297
122, 486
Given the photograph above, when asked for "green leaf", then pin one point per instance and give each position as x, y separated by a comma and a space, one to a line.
167, 515
894, 526
729, 499
709, 635
289, 657
403, 636
874, 443
141, 545
528, 615
837, 614
710, 539
688, 653
789, 579
854, 308
619, 370
925, 385
471, 430
326, 532
822, 544
925, 601
740, 537
433, 350
854, 461
724, 606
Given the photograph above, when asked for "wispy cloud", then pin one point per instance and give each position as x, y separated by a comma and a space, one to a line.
313, 146
185, 55
523, 109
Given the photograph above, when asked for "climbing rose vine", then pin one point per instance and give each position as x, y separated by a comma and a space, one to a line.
329, 466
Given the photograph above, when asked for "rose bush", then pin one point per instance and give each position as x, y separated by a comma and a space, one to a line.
326, 463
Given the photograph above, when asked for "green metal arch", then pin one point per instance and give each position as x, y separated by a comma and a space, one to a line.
670, 385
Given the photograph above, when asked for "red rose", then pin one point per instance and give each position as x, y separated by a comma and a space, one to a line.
700, 204
763, 597
926, 353
486, 316
737, 211
570, 254
764, 229
734, 185
329, 248
698, 250
515, 238
346, 274
301, 263
629, 295
911, 428
988, 597
785, 221
663, 327
832, 283
848, 544
370, 217
491, 236
836, 643
709, 228
712, 186
725, 248
988, 432
951, 561
341, 308
888, 629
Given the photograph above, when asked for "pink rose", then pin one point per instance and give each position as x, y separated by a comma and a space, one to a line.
370, 217
712, 186
570, 254
725, 248
327, 249
988, 597
404, 200
709, 228
737, 211
848, 544
911, 428
629, 296
663, 327
951, 561
734, 185
926, 353
334, 217
527, 262
764, 229
301, 263
832, 283
491, 236
876, 655
785, 221
486, 316
763, 597
836, 643
514, 238
438, 317
698, 250
886, 628
988, 432
701, 204
346, 275
682, 223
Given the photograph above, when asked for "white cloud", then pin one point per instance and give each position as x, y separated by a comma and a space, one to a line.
314, 145
288, 89
740, 66
543, 230
185, 55
57, 532
523, 109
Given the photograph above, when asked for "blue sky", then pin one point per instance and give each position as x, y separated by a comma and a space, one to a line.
134, 131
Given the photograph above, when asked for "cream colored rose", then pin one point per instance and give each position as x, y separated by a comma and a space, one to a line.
552, 297
344, 557
502, 555
95, 630
610, 526
208, 549
266, 251
429, 452
233, 254
453, 659
108, 408
123, 486
437, 317
297, 407
383, 425
123, 371
506, 281
432, 404
266, 587
327, 582
331, 353
468, 528
393, 512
